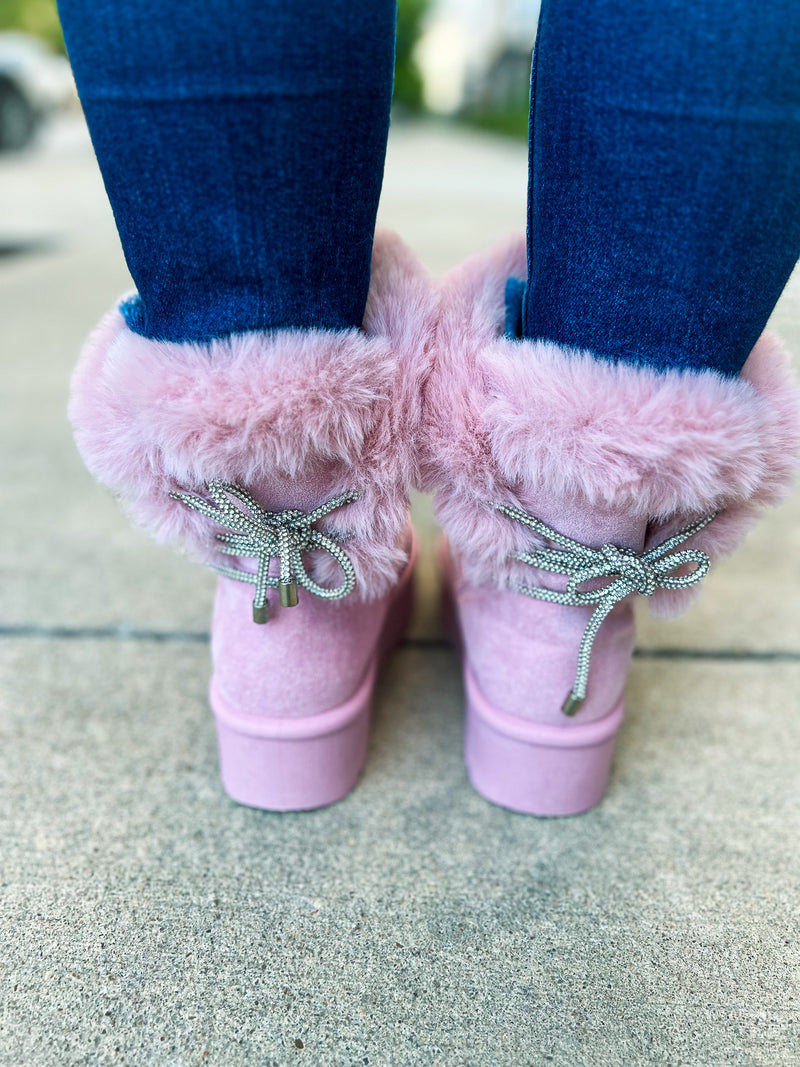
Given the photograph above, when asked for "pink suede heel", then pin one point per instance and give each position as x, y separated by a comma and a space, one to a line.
531, 767
283, 763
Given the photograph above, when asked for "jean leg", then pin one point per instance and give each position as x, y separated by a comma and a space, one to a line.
664, 198
242, 146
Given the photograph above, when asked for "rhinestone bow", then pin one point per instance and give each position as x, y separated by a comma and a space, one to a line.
629, 572
267, 535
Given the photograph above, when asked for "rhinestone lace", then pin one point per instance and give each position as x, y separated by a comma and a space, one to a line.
629, 572
267, 535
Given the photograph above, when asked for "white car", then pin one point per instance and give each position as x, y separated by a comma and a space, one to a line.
33, 82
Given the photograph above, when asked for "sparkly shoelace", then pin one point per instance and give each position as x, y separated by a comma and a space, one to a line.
267, 535
630, 572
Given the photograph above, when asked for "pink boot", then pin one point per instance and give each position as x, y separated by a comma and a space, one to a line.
283, 459
564, 485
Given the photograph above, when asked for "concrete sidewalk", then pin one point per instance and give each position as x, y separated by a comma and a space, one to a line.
146, 919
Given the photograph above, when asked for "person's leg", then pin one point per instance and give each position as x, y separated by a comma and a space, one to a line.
242, 147
664, 198
259, 400
631, 424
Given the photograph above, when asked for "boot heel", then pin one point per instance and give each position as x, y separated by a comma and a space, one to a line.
295, 764
535, 768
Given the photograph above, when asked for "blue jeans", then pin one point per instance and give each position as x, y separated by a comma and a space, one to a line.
242, 147
664, 198
243, 158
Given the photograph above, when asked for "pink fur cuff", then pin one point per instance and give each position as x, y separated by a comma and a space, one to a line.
515, 421
295, 416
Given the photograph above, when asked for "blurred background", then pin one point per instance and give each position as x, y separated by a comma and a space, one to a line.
465, 59
462, 66
35, 82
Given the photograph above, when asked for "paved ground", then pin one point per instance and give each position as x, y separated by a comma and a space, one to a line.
144, 918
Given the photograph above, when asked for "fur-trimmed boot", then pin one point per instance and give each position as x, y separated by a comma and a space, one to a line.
284, 460
566, 484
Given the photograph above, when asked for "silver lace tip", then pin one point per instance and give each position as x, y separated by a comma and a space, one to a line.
261, 614
571, 704
288, 594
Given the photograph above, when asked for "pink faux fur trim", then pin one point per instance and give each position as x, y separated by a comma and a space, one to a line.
296, 416
519, 421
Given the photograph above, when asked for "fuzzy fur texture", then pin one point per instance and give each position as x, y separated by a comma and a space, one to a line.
521, 421
295, 416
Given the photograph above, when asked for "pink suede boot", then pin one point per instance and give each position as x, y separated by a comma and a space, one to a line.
283, 459
566, 484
